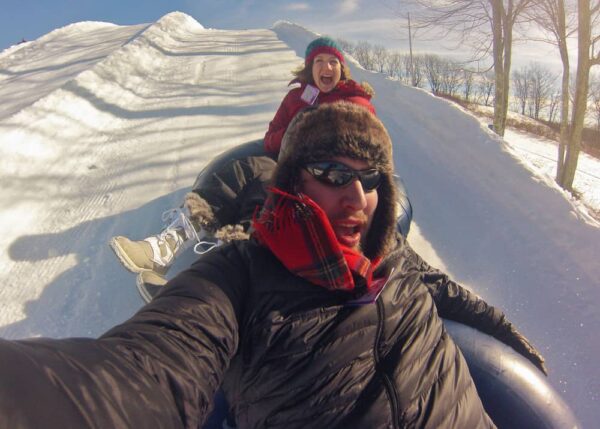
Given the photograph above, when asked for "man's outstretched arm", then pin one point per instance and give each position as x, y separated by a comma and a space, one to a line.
457, 303
161, 368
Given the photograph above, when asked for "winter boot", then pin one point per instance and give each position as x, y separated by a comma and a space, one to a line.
157, 253
149, 283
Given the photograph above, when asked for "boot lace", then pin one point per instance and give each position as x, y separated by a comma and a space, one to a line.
202, 246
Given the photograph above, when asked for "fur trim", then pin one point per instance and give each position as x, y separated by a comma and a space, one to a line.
202, 216
343, 129
201, 213
366, 86
229, 233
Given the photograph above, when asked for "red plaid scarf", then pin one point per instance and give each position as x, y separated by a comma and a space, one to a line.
298, 232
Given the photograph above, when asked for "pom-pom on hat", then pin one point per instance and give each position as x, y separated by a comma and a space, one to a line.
323, 45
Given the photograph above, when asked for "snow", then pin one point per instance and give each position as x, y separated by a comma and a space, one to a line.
103, 127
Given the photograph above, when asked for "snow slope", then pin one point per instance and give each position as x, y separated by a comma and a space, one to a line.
104, 127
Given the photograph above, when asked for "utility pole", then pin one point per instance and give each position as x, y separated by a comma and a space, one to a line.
412, 66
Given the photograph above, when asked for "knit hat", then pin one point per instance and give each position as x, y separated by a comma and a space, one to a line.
347, 130
323, 45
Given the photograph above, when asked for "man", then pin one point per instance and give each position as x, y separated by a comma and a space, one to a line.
325, 319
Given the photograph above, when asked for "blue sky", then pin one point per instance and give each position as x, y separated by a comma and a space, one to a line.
375, 21
353, 19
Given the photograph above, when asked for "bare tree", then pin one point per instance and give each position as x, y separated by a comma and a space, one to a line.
433, 66
485, 88
467, 82
451, 75
595, 100
488, 25
413, 70
504, 14
586, 58
393, 65
346, 45
521, 91
532, 89
553, 104
542, 86
418, 71
561, 19
379, 56
553, 17
363, 52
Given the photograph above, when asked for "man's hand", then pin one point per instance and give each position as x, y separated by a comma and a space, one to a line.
510, 336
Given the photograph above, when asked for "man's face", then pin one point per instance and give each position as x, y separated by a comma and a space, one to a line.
349, 208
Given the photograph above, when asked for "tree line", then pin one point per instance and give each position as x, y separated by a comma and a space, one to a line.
487, 28
535, 87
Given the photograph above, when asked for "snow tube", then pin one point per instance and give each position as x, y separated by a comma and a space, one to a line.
219, 174
254, 148
514, 393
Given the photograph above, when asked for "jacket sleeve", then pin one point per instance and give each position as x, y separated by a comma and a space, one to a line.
454, 302
279, 124
159, 369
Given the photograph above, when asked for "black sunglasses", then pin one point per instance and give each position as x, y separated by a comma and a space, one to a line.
336, 174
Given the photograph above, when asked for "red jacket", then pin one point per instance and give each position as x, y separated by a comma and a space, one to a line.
292, 103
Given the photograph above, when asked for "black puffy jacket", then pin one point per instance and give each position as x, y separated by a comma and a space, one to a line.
287, 353
309, 359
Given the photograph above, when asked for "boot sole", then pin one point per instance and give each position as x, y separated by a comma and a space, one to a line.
124, 259
148, 290
146, 296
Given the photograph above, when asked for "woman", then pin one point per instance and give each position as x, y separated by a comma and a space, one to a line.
324, 78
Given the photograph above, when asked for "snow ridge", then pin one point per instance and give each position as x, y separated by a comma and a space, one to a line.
118, 129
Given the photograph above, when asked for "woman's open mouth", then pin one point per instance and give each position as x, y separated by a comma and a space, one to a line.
326, 80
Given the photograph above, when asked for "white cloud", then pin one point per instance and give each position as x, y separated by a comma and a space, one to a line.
298, 6
348, 6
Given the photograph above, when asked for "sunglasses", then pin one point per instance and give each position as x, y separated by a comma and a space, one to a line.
338, 175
